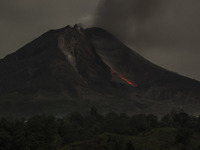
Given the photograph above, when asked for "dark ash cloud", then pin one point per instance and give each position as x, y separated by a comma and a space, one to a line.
166, 32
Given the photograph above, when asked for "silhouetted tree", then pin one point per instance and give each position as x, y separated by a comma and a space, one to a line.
183, 136
76, 118
129, 146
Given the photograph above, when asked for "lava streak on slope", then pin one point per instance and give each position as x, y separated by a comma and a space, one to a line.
127, 81
123, 78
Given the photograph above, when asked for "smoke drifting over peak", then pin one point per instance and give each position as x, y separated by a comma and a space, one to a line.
166, 32
123, 16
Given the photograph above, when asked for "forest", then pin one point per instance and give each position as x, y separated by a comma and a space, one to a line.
94, 131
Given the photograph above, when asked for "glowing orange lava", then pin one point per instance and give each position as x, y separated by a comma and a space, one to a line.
124, 79
127, 81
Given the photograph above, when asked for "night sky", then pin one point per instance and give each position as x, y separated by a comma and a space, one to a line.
167, 32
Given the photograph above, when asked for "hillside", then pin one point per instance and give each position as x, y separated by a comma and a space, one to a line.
72, 69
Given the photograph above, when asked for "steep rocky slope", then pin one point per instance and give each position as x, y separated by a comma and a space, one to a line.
73, 68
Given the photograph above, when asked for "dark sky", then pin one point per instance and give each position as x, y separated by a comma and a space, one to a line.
21, 21
167, 32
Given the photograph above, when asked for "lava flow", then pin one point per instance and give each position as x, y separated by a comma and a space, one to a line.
124, 79
127, 81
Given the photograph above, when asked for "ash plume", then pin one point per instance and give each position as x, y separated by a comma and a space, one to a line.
166, 32
120, 16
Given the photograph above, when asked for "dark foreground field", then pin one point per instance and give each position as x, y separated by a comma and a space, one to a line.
92, 131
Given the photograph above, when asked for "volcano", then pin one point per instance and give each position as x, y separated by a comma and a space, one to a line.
72, 69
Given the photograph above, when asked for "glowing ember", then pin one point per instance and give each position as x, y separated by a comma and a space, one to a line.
124, 79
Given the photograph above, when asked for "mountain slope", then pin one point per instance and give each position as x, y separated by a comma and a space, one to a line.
122, 59
89, 67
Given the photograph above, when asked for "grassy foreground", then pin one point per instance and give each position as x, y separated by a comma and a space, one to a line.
156, 139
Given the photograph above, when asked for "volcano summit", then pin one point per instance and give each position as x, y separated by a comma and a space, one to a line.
72, 69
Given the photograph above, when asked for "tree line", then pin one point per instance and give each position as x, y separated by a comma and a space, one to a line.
49, 132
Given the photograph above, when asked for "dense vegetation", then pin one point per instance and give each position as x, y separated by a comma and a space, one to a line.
92, 131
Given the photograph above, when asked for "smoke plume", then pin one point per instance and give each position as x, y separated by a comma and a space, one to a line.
166, 32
